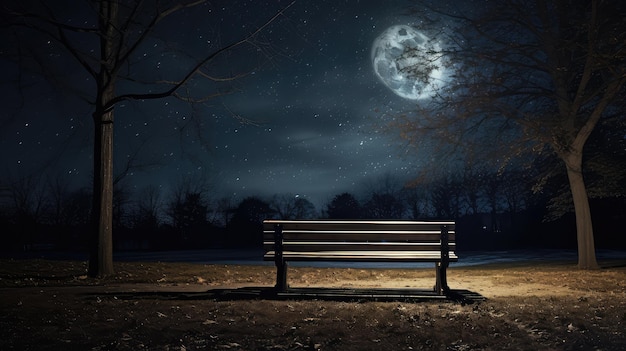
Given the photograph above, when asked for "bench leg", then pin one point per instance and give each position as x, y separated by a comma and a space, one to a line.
441, 285
281, 276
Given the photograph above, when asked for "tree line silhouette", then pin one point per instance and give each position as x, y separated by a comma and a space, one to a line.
494, 210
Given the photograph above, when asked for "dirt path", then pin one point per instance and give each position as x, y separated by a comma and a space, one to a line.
51, 305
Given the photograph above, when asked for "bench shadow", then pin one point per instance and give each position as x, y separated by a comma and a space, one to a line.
304, 294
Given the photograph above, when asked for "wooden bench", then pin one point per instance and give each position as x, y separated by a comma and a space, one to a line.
360, 241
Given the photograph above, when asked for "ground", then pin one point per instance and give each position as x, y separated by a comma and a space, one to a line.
50, 305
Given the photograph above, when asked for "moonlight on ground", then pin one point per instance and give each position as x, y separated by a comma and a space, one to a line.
408, 62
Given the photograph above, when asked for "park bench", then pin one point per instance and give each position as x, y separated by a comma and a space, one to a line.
360, 241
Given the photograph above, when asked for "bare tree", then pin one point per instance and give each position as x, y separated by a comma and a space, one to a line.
189, 205
59, 193
527, 79
446, 197
29, 202
149, 207
416, 199
289, 206
104, 39
344, 206
68, 211
384, 206
188, 213
223, 212
383, 197
304, 208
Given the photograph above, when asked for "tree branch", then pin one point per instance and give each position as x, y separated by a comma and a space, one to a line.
197, 67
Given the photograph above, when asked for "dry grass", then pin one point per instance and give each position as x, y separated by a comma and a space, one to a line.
53, 305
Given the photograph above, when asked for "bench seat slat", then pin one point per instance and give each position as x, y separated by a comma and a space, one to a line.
378, 236
358, 230
358, 246
393, 256
355, 231
357, 225
287, 243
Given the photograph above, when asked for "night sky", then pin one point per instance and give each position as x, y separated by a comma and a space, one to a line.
313, 109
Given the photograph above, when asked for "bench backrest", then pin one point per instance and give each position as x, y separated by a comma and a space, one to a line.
359, 235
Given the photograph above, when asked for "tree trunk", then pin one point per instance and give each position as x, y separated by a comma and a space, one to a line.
101, 253
584, 228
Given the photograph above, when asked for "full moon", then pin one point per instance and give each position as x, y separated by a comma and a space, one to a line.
408, 62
